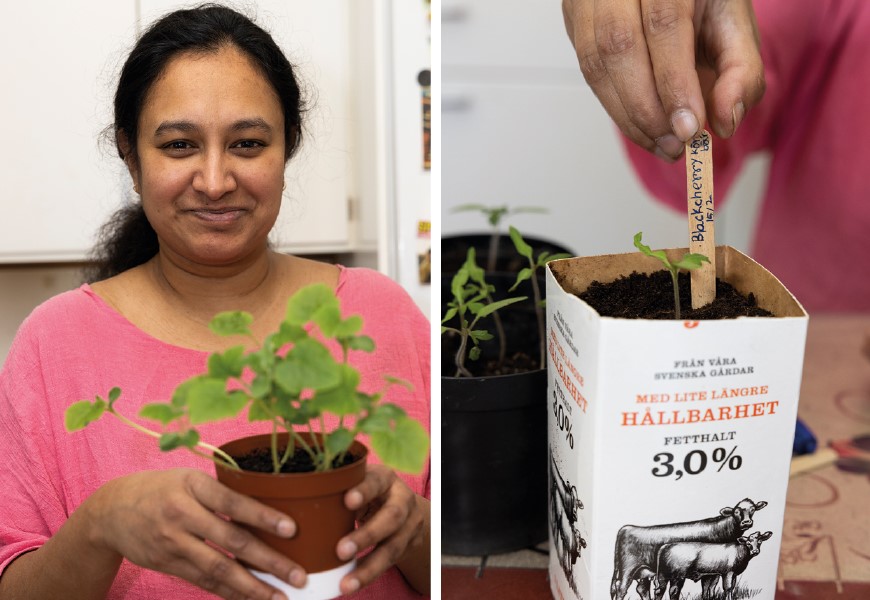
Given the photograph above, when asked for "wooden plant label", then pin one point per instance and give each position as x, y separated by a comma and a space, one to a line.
699, 191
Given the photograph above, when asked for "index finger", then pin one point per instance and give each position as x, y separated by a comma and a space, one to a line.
377, 481
622, 48
670, 39
240, 508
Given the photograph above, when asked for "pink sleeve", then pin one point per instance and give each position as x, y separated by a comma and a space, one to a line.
780, 23
30, 505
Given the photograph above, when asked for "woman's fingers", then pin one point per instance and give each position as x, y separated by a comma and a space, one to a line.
670, 38
160, 519
240, 508
389, 551
207, 574
239, 542
622, 46
661, 68
391, 520
580, 22
730, 38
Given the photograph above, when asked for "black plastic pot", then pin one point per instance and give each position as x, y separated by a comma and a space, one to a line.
494, 443
493, 463
454, 249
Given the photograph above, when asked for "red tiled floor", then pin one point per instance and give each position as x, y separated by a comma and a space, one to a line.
498, 583
460, 583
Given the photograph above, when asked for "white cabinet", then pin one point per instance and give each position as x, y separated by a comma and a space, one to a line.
58, 182
59, 71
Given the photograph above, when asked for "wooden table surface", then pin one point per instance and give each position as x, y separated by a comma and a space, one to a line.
825, 550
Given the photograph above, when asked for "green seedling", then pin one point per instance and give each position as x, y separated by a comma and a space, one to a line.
530, 272
688, 262
471, 302
494, 215
290, 380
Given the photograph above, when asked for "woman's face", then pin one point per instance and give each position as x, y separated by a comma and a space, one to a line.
210, 148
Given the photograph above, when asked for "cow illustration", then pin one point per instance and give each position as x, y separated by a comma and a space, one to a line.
708, 562
564, 515
637, 547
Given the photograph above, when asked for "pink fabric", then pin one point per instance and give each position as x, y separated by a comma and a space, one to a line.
75, 346
814, 225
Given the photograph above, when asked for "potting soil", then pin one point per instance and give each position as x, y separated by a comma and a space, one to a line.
259, 460
651, 296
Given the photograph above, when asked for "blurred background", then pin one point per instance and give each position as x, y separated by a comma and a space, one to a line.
520, 127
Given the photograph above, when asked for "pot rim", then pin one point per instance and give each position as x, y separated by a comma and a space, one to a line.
357, 449
491, 377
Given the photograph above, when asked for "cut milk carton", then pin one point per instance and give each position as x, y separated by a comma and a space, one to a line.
669, 441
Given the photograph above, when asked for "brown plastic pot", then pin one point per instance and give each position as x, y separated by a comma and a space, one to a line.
314, 500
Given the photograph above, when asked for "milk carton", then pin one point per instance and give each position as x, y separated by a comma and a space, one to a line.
669, 441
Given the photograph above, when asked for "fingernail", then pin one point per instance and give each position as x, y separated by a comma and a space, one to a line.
297, 578
351, 586
685, 124
286, 528
347, 549
668, 159
354, 499
670, 145
278, 596
737, 115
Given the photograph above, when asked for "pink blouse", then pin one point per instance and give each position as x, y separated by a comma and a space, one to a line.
75, 346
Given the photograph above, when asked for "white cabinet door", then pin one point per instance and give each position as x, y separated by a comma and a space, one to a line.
511, 38
58, 182
530, 145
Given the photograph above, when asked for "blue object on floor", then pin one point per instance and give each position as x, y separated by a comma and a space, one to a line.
804, 440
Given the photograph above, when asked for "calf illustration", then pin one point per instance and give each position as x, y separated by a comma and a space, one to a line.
698, 560
564, 515
637, 547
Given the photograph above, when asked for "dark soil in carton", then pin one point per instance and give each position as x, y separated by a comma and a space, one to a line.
260, 461
641, 296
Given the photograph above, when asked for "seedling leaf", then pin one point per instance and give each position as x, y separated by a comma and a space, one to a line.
228, 364
114, 394
172, 440
308, 365
208, 400
522, 247
691, 261
307, 302
234, 322
338, 441
404, 448
158, 411
523, 275
362, 342
488, 309
481, 335
80, 414
340, 399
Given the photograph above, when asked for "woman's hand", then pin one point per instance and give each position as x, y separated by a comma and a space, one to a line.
395, 521
159, 519
662, 68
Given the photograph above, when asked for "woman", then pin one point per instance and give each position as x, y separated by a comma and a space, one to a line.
207, 113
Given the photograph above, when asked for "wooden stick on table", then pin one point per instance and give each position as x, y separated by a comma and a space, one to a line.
699, 191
